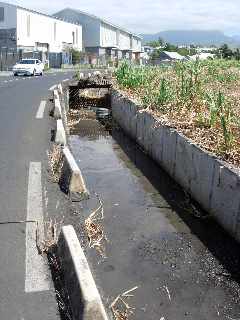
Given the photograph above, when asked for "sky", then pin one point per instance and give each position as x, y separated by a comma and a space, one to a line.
142, 16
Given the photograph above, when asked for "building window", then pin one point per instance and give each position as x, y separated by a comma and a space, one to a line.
55, 31
1, 14
77, 36
118, 37
73, 37
28, 26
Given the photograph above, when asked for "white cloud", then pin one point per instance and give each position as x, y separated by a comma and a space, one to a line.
153, 16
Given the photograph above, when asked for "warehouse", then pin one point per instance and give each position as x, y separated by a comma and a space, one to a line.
102, 38
29, 33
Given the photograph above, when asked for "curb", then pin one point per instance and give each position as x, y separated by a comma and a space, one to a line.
60, 88
71, 180
84, 297
60, 137
57, 106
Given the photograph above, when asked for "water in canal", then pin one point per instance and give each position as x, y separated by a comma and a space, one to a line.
185, 267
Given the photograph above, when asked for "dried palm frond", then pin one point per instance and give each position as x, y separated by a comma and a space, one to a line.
95, 230
51, 230
55, 159
120, 308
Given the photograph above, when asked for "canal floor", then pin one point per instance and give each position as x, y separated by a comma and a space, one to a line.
184, 264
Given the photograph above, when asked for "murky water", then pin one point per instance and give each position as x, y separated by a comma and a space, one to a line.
185, 267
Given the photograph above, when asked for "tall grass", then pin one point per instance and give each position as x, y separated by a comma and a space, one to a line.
192, 95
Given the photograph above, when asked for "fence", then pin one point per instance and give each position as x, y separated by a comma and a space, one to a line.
57, 59
9, 57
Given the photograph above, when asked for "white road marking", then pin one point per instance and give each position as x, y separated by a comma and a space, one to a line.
53, 87
65, 80
5, 81
37, 277
41, 109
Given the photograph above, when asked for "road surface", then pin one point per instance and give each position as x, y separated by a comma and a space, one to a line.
26, 289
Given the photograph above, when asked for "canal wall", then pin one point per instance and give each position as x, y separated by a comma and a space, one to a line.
214, 184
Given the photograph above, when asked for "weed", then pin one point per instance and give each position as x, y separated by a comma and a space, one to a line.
193, 96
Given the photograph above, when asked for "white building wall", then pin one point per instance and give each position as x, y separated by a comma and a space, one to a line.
108, 36
33, 27
10, 16
90, 26
136, 45
124, 41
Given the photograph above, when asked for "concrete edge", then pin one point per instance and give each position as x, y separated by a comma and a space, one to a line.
213, 183
60, 136
84, 296
72, 179
57, 106
60, 88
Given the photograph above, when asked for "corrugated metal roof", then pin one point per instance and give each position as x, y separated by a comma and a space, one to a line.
174, 55
202, 56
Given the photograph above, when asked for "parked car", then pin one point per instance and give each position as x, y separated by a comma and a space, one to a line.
29, 67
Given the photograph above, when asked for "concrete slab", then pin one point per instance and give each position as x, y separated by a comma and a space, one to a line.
60, 136
57, 109
72, 180
84, 297
225, 200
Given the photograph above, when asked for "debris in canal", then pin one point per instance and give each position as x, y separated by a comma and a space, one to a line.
50, 238
55, 159
73, 118
120, 308
95, 230
48, 246
168, 292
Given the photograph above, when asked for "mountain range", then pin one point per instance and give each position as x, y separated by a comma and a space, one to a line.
196, 37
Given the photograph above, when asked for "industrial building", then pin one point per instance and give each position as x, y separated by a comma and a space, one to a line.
103, 39
25, 32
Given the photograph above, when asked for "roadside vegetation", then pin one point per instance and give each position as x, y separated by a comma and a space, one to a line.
224, 52
200, 99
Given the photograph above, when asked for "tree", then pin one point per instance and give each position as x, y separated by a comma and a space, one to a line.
170, 47
76, 56
156, 43
186, 51
161, 42
226, 52
156, 53
237, 54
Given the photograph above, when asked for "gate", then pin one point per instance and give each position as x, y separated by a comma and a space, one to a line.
10, 56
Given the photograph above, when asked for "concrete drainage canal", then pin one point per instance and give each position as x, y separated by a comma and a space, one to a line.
157, 241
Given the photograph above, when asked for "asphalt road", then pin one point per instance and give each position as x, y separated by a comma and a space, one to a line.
26, 289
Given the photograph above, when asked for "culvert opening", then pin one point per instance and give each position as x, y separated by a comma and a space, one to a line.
90, 107
90, 92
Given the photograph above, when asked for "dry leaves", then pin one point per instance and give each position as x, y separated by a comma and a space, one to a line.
95, 230
47, 235
191, 115
55, 159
